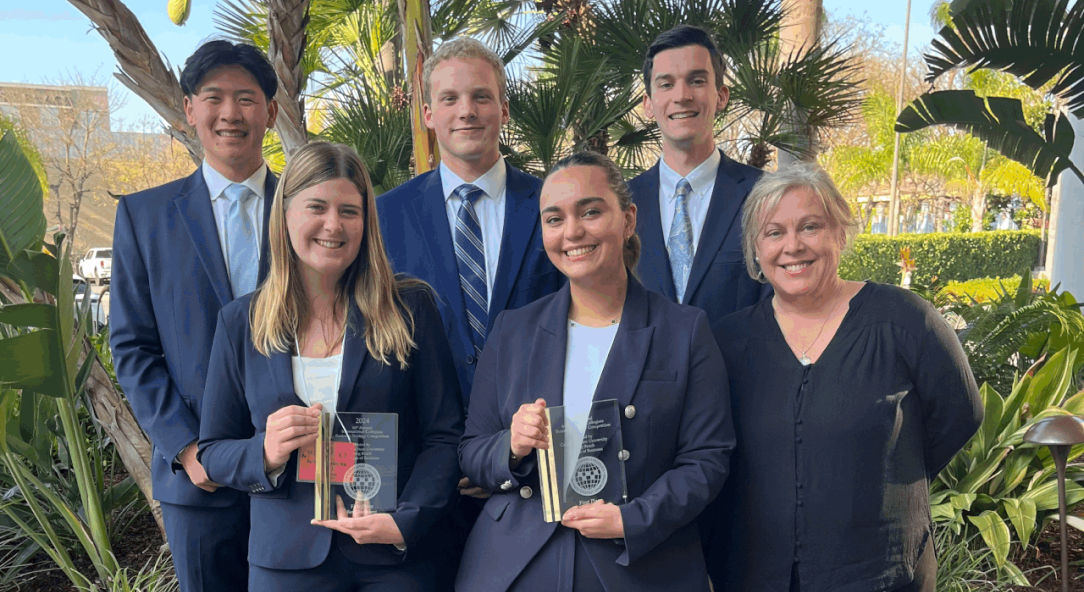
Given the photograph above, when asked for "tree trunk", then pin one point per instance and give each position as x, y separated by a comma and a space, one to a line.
286, 23
978, 211
800, 31
417, 46
141, 68
112, 412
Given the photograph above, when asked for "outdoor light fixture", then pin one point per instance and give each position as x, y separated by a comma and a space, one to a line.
1059, 434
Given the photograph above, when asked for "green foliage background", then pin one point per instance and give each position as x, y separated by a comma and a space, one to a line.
947, 256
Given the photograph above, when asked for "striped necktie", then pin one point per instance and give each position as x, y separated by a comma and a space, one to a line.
680, 241
241, 241
470, 257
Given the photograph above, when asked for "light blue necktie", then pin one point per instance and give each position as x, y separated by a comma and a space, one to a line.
470, 257
241, 241
680, 241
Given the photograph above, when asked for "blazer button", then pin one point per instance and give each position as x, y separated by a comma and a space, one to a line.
506, 485
630, 412
471, 360
623, 455
525, 492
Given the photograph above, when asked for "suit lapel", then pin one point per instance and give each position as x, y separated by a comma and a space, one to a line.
282, 375
431, 219
621, 374
546, 367
520, 218
194, 204
724, 209
654, 259
354, 354
268, 202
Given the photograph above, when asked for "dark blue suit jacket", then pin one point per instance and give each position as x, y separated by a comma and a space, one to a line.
718, 281
664, 362
244, 387
414, 222
169, 282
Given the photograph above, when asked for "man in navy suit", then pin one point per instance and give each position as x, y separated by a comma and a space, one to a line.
181, 252
690, 201
470, 228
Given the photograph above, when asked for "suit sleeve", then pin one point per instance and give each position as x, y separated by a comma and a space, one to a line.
137, 348
484, 452
230, 448
705, 439
952, 408
435, 389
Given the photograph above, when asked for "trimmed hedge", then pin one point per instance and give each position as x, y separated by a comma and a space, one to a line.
947, 255
983, 289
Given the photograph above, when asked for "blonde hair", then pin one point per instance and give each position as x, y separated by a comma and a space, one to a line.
765, 196
461, 48
280, 307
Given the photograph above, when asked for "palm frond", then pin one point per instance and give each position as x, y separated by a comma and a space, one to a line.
1036, 40
378, 129
1000, 123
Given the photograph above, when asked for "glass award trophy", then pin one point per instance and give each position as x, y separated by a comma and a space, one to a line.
584, 462
355, 457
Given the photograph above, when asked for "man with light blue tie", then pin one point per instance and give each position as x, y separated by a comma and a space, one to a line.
181, 252
470, 228
689, 204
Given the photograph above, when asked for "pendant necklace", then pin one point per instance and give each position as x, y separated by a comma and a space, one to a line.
804, 359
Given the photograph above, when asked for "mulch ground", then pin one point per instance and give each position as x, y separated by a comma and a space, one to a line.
1042, 561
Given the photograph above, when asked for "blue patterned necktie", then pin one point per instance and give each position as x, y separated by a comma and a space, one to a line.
470, 257
680, 241
241, 241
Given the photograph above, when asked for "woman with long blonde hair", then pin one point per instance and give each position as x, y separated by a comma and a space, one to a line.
331, 330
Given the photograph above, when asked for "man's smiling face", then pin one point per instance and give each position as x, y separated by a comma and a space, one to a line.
231, 114
683, 97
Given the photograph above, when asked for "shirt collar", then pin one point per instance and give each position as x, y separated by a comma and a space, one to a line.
699, 178
217, 182
492, 182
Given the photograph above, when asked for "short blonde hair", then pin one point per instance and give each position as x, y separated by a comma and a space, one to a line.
461, 48
280, 307
765, 196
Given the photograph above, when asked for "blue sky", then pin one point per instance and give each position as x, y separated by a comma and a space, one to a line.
49, 41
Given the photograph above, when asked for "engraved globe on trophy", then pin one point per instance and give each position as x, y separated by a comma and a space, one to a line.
355, 457
585, 460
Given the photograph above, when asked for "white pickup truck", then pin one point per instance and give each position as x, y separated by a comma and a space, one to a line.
97, 265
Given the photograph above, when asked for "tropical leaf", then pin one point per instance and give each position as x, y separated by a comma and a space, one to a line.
1036, 40
23, 221
1021, 513
995, 533
1000, 122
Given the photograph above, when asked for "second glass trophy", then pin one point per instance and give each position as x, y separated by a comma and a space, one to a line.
356, 458
584, 461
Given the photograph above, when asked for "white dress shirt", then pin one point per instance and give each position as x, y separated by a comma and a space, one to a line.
220, 204
490, 210
585, 357
702, 180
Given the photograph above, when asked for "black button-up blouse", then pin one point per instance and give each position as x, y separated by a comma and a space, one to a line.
831, 472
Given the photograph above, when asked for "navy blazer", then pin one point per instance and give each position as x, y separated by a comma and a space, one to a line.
718, 280
665, 364
244, 387
414, 222
169, 282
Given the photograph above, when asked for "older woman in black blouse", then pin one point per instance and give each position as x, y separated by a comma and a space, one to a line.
851, 397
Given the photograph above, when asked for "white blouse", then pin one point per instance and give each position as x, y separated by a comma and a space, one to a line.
585, 357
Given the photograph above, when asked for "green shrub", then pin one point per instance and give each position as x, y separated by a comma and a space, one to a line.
998, 481
987, 289
946, 256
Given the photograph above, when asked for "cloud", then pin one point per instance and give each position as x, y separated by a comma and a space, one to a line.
21, 14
